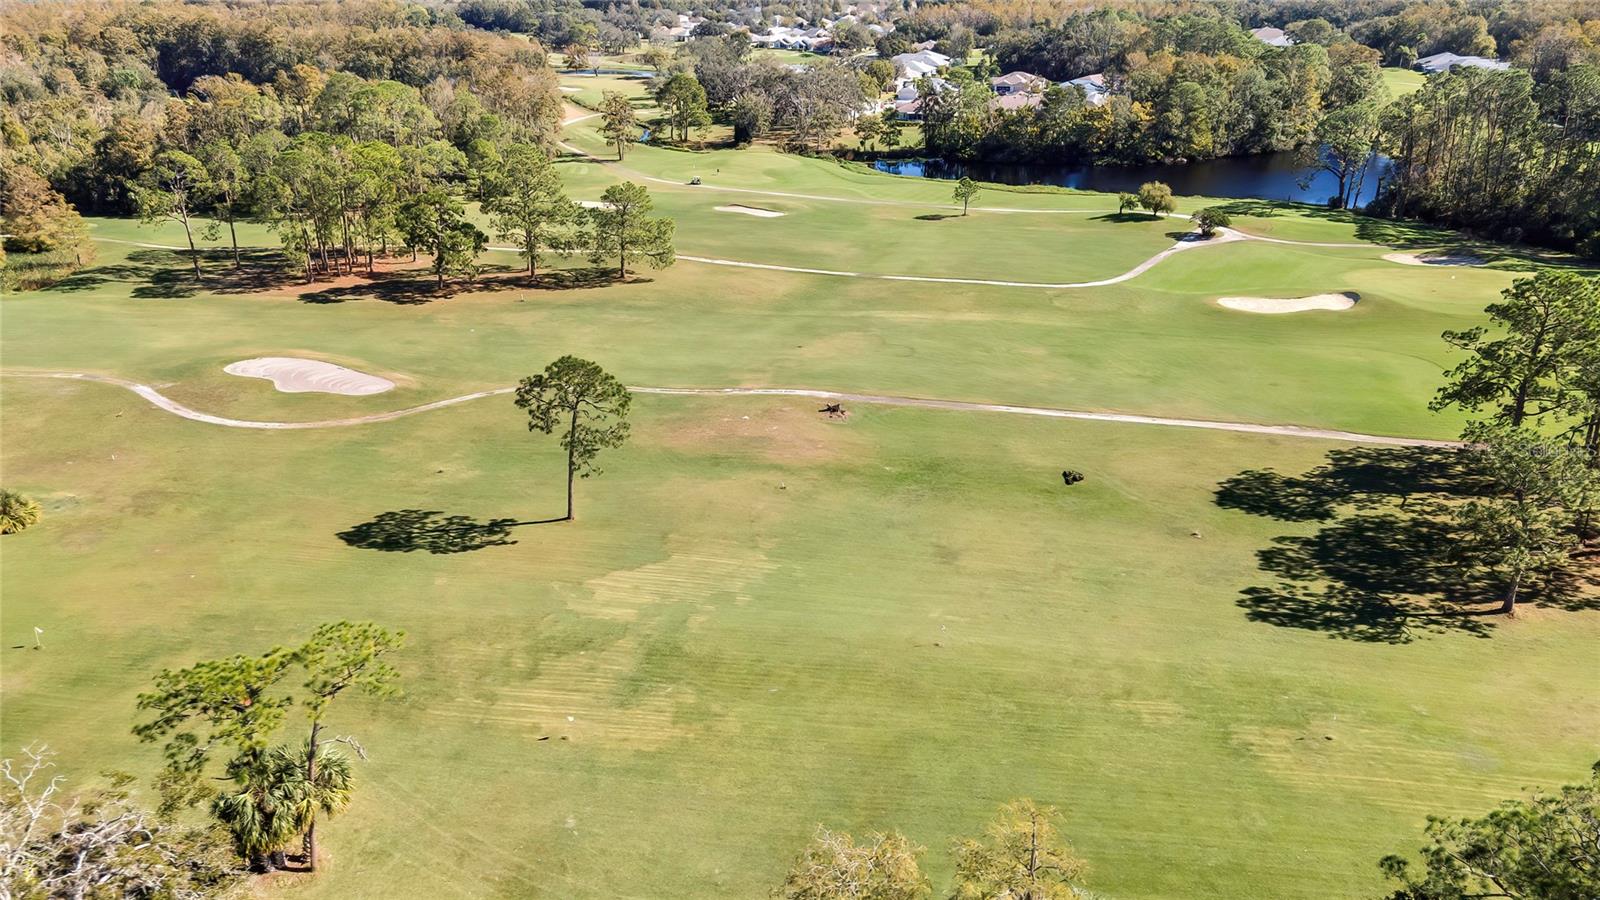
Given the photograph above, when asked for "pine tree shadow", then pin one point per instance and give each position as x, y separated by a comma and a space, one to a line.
1385, 565
431, 531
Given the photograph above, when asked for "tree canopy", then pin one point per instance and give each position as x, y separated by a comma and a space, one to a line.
587, 401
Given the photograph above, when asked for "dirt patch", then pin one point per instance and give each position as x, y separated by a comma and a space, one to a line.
780, 434
1273, 305
1435, 258
382, 269
294, 375
750, 211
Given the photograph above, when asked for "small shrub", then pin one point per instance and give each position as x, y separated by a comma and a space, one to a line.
16, 512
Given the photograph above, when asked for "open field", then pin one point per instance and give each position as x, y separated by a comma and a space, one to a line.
763, 618
1402, 81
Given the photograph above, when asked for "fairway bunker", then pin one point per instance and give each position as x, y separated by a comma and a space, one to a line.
1274, 305
1436, 258
293, 375
750, 211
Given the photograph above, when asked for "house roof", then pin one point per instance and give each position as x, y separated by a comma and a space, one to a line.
1095, 92
926, 57
1017, 100
1272, 37
1016, 79
1444, 62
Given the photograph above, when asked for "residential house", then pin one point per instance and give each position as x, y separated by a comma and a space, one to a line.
1444, 62
1095, 92
1016, 100
1272, 37
922, 62
1018, 83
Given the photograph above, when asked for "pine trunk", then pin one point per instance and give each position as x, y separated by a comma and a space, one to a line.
572, 434
1509, 607
194, 255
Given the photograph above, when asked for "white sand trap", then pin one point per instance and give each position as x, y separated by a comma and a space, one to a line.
300, 376
750, 211
1440, 258
591, 204
1274, 305
567, 88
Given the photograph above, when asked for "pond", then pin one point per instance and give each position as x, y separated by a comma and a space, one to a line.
1266, 176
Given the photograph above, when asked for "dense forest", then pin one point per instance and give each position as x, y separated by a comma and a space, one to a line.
318, 118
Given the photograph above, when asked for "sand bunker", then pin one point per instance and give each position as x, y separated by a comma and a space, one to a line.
750, 211
1437, 258
592, 204
300, 376
1273, 305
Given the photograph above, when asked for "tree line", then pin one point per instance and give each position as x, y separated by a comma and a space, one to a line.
1498, 154
184, 112
344, 170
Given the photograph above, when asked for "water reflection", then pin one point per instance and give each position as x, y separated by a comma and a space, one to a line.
1267, 176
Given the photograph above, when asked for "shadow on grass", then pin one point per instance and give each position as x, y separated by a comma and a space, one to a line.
937, 217
431, 531
413, 287
1385, 566
161, 274
1123, 217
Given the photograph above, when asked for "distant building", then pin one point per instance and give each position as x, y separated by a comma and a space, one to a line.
1272, 37
1444, 62
1016, 100
908, 99
915, 65
1018, 83
1095, 92
782, 37
684, 28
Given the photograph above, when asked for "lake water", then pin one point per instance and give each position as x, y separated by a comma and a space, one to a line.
1266, 176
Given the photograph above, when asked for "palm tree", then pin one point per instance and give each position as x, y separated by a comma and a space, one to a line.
275, 801
328, 790
260, 812
16, 512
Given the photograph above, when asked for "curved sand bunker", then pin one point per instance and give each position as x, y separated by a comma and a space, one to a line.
1274, 305
301, 376
750, 211
1437, 258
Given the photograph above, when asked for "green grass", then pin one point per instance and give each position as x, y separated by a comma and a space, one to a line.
1402, 81
590, 89
764, 619
788, 57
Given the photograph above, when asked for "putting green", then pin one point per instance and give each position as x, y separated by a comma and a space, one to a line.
764, 618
